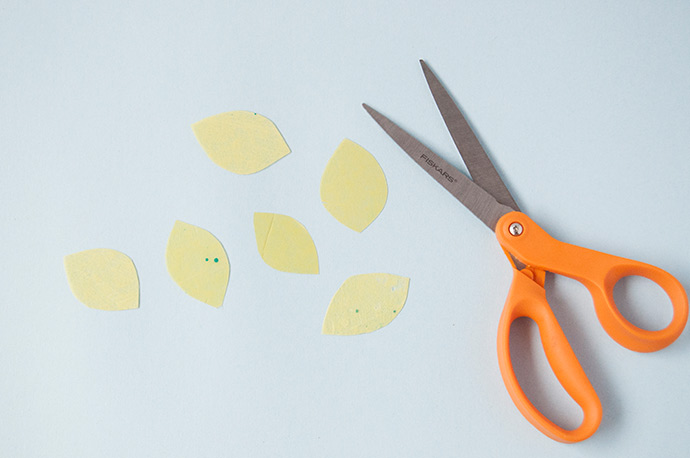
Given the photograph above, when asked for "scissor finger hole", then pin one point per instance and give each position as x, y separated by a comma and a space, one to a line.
642, 302
536, 377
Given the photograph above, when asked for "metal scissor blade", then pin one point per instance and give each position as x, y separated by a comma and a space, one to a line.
471, 195
477, 161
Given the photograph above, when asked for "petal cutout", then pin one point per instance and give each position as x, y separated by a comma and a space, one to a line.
197, 262
365, 303
103, 279
285, 244
353, 186
242, 142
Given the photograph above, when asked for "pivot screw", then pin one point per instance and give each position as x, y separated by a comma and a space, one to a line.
515, 229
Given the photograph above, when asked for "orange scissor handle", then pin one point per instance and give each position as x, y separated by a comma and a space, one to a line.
528, 299
599, 272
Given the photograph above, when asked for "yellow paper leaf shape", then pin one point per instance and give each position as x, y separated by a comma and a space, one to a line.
285, 244
242, 142
103, 279
365, 303
353, 186
197, 262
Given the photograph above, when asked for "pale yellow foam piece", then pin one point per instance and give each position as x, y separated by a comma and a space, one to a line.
242, 142
365, 303
103, 279
285, 244
197, 262
353, 186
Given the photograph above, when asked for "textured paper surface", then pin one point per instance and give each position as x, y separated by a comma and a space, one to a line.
285, 244
197, 262
353, 186
242, 142
103, 279
365, 303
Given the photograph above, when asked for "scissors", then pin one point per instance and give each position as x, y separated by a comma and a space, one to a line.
532, 252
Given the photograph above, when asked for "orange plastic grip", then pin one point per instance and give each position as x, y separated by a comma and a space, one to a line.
599, 272
527, 299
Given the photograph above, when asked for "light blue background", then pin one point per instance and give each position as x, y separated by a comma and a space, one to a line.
584, 108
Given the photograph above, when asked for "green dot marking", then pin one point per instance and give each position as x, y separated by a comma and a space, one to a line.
356, 310
215, 260
207, 259
394, 311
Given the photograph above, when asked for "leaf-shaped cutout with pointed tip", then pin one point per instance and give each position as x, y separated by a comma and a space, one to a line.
353, 186
284, 244
197, 262
365, 303
103, 279
242, 142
